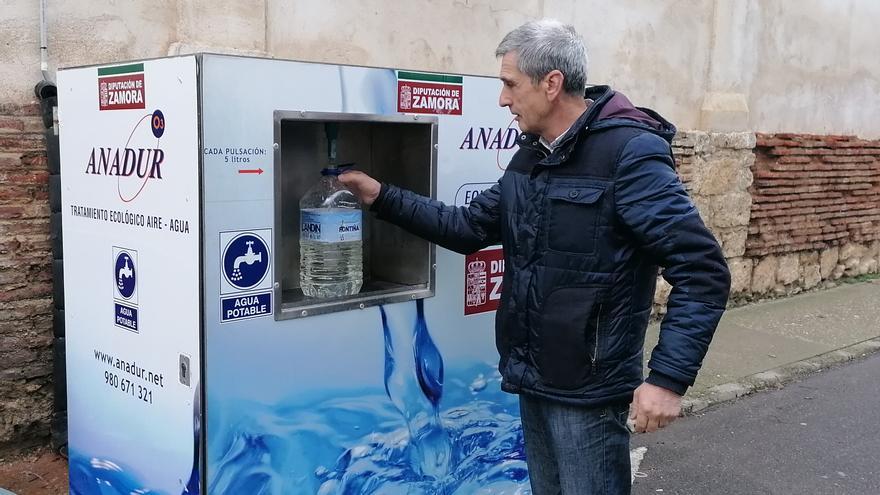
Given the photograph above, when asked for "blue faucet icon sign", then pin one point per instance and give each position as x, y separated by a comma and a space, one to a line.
245, 261
125, 275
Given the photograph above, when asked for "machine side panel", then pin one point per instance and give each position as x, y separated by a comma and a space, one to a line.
130, 205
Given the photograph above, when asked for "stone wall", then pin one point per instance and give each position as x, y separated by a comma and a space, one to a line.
716, 169
25, 281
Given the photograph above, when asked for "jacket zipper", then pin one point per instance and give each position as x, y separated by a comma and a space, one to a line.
594, 358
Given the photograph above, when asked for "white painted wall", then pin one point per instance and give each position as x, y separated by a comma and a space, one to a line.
816, 67
766, 65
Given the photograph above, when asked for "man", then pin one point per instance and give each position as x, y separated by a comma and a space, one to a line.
587, 209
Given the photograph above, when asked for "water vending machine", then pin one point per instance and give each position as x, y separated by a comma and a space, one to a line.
196, 364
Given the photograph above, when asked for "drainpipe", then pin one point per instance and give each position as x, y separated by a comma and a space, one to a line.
45, 90
44, 44
47, 93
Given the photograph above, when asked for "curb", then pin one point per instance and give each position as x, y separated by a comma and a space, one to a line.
777, 378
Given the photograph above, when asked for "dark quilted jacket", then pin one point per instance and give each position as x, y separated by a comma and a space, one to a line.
584, 229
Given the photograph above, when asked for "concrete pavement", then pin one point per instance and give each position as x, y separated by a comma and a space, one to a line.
766, 345
815, 436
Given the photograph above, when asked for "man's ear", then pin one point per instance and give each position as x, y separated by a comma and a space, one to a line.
554, 81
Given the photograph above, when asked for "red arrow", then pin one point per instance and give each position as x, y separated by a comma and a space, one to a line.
251, 171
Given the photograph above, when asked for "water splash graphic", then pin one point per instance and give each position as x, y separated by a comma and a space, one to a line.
414, 383
91, 475
429, 362
358, 442
374, 441
192, 485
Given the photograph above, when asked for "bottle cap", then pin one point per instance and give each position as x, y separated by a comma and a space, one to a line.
335, 171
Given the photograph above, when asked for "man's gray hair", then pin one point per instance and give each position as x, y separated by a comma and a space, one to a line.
547, 45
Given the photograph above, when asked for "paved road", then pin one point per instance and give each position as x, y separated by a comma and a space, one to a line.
817, 436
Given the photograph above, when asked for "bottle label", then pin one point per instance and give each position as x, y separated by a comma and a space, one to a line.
322, 225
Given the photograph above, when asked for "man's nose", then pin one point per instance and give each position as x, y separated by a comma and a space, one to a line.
503, 99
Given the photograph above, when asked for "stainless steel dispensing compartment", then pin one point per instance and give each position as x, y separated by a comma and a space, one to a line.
399, 149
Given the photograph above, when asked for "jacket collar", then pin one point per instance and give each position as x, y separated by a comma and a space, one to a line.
600, 95
608, 109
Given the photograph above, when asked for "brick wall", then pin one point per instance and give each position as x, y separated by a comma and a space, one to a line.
813, 193
815, 211
791, 212
25, 281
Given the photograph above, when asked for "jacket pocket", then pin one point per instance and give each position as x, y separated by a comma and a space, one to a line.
567, 352
573, 217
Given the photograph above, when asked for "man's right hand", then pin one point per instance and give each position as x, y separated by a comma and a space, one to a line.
362, 185
653, 407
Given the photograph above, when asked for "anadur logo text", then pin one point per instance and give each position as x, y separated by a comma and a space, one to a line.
137, 162
142, 162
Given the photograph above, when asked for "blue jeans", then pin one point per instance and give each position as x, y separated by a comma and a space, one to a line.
573, 450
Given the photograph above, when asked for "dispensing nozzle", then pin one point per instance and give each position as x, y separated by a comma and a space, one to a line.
331, 129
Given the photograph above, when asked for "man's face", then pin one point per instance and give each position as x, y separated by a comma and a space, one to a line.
525, 100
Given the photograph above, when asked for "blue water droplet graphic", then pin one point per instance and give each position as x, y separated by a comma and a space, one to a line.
429, 362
